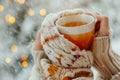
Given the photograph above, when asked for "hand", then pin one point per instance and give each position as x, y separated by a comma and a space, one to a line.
37, 44
102, 24
101, 27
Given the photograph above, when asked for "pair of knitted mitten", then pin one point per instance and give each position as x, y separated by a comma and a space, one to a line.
64, 60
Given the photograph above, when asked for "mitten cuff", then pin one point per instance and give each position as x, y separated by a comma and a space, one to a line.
102, 57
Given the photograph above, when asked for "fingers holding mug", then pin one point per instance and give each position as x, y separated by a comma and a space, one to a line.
37, 43
104, 26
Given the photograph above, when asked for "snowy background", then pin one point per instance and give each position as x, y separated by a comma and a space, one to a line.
21, 19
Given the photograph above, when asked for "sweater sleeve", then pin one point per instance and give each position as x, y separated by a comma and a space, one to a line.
37, 71
105, 60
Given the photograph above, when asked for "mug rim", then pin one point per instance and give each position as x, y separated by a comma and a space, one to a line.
84, 27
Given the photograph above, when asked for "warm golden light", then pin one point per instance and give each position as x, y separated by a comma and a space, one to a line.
7, 60
20, 1
14, 48
24, 64
24, 57
1, 7
10, 19
43, 12
31, 12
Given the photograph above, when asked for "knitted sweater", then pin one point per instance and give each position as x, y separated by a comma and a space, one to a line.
105, 60
60, 59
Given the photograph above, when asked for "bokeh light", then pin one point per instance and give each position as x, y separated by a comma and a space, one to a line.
14, 48
1, 8
31, 12
7, 60
20, 1
10, 19
43, 12
24, 57
24, 64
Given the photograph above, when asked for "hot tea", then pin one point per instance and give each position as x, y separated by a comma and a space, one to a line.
73, 24
78, 29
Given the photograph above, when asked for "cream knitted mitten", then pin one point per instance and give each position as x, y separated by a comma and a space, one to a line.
64, 61
105, 60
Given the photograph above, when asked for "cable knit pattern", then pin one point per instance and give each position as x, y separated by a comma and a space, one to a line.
105, 61
65, 53
116, 76
37, 71
65, 61
60, 59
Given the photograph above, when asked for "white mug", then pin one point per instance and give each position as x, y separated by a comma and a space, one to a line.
81, 35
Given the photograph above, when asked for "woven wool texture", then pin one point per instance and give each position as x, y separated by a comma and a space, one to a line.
60, 59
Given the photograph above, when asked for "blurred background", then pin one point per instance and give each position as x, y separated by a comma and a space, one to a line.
21, 19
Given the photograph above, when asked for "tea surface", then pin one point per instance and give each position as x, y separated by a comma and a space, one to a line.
73, 24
